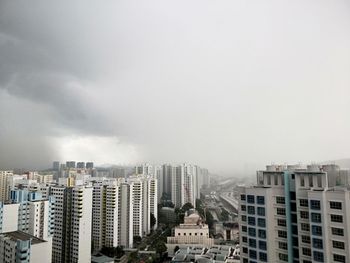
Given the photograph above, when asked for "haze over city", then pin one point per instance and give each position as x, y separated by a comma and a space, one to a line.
230, 85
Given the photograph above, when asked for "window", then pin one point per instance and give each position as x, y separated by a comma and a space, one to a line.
276, 179
282, 233
339, 258
305, 227
338, 244
252, 242
311, 183
261, 222
337, 218
244, 228
335, 205
282, 245
251, 221
251, 232
337, 231
251, 210
244, 239
250, 199
305, 239
262, 233
243, 197
243, 208
245, 250
317, 230
302, 180
304, 202
306, 251
281, 222
283, 257
281, 211
316, 217
304, 214
317, 243
252, 253
261, 211
318, 256
244, 218
315, 204
319, 181
260, 200
280, 200
262, 245
263, 257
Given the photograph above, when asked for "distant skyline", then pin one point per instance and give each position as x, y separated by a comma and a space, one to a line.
229, 85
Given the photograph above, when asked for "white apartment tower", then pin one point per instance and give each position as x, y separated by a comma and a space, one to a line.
105, 215
296, 214
122, 210
73, 223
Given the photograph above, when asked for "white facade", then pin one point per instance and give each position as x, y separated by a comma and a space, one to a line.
20, 247
105, 215
192, 231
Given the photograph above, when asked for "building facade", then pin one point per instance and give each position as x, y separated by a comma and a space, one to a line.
73, 223
296, 214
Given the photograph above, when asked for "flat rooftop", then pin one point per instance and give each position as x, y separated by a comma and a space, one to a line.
19, 235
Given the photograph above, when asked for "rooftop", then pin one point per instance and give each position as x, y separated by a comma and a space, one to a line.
19, 235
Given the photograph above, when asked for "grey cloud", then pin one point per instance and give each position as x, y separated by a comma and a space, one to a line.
229, 85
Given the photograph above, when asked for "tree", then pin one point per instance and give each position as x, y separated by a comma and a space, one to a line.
224, 214
153, 220
137, 239
133, 258
160, 247
186, 207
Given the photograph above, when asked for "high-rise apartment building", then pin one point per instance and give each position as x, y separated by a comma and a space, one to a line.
105, 215
89, 165
296, 214
4, 185
35, 214
56, 166
70, 164
80, 165
122, 210
73, 223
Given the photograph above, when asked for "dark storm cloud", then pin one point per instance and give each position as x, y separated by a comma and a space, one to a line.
229, 85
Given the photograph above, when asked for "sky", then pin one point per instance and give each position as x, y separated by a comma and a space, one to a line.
228, 85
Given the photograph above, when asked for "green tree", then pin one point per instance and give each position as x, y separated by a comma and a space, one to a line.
160, 247
186, 207
133, 257
153, 220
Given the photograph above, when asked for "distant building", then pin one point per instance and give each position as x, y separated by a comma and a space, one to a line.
81, 165
70, 164
56, 166
89, 165
4, 185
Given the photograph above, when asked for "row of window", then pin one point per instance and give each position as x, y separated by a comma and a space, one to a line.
251, 199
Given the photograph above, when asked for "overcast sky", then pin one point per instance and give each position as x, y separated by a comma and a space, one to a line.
229, 85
